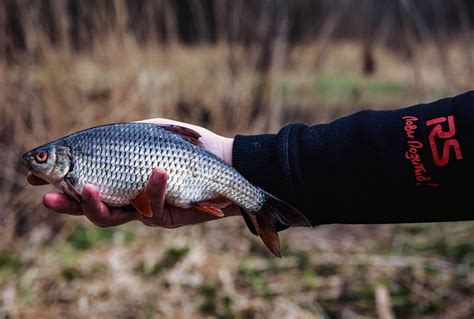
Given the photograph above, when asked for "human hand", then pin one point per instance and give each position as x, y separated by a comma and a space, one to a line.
214, 143
164, 215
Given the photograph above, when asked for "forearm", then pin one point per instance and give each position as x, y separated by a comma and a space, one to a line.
410, 165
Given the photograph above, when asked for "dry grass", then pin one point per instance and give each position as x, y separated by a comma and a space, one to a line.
53, 266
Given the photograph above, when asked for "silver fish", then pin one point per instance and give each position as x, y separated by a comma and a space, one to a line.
119, 158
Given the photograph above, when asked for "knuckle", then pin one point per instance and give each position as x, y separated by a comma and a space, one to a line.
170, 226
101, 225
156, 221
162, 220
148, 222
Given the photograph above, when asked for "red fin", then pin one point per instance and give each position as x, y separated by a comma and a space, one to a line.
209, 209
267, 231
219, 202
68, 188
273, 212
254, 222
213, 206
143, 204
186, 133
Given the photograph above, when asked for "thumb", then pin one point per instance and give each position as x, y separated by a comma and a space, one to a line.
156, 189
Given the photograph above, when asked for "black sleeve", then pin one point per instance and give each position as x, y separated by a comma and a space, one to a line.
409, 165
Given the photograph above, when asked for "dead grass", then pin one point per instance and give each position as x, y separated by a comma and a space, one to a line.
52, 266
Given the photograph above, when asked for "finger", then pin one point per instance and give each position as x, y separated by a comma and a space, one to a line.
181, 216
120, 216
96, 211
156, 189
35, 180
62, 203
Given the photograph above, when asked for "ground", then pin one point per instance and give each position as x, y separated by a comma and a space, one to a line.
62, 266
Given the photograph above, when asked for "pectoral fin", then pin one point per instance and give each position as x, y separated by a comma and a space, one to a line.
67, 185
143, 204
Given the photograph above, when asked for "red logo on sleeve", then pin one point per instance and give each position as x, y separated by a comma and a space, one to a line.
450, 145
413, 155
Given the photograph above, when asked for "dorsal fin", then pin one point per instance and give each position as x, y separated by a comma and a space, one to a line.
186, 133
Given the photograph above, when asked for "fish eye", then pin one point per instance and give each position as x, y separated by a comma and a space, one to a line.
41, 157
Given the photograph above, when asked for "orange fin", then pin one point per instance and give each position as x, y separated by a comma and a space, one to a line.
186, 133
143, 204
219, 202
213, 206
267, 231
273, 212
254, 222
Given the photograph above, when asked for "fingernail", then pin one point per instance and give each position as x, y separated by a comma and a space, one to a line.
158, 178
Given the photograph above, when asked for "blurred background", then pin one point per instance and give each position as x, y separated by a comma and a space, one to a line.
244, 67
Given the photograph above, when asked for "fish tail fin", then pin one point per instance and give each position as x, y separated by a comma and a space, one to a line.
273, 212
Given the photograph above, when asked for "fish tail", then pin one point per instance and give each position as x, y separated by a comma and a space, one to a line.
273, 212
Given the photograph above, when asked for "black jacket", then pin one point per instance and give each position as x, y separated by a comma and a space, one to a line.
409, 165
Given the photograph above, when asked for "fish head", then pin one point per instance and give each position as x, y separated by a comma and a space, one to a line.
50, 162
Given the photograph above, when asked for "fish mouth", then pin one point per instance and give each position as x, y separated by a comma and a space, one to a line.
26, 160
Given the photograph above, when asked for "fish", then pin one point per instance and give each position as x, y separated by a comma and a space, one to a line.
119, 158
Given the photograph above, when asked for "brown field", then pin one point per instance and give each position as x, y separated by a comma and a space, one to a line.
58, 266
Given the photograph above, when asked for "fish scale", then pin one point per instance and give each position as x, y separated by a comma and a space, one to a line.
118, 159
